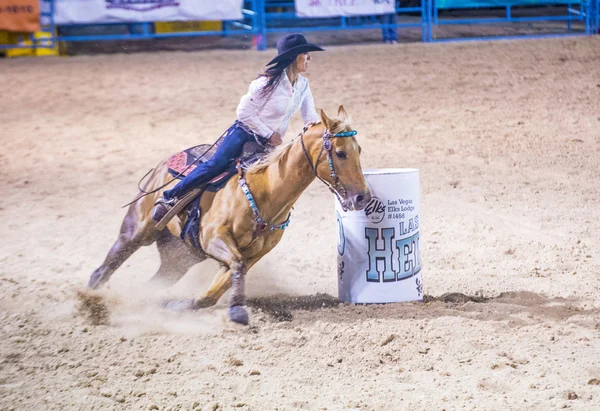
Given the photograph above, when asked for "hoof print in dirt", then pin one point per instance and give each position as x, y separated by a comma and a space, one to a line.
238, 314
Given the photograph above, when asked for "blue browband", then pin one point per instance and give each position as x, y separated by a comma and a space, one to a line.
345, 134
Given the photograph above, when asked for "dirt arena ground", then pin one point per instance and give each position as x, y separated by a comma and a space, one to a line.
507, 138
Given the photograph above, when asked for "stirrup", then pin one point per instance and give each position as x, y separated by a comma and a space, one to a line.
161, 208
162, 200
165, 211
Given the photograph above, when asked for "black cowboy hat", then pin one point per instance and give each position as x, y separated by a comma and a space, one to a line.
292, 45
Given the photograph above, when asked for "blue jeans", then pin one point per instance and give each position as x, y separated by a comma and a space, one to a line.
389, 33
230, 148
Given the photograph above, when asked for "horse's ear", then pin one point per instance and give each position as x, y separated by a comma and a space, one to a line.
342, 113
326, 120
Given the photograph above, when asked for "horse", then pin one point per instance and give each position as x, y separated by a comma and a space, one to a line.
239, 226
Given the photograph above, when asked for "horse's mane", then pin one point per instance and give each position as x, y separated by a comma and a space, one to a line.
271, 158
276, 155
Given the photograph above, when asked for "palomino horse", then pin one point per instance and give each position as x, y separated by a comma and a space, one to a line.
240, 225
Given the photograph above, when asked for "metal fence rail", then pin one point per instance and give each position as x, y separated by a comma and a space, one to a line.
280, 16
261, 17
575, 15
595, 19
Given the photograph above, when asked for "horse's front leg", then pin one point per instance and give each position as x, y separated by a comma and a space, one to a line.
220, 284
223, 247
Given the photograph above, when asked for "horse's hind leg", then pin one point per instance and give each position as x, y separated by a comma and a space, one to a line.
133, 235
175, 259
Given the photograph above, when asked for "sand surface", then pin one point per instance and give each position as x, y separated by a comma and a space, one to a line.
507, 139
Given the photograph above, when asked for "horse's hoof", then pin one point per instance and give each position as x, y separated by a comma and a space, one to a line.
95, 282
92, 285
238, 314
179, 306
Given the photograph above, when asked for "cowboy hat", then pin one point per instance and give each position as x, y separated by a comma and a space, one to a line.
292, 45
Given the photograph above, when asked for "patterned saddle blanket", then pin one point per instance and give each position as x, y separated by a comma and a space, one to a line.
184, 162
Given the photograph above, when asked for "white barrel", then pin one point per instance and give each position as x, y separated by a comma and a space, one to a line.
379, 252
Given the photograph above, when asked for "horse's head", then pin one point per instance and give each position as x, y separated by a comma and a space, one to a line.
334, 154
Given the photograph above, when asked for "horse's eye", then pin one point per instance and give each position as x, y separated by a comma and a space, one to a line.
341, 155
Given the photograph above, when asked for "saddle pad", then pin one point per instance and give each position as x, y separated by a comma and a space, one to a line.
184, 162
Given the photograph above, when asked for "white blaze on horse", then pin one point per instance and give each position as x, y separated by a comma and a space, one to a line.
245, 219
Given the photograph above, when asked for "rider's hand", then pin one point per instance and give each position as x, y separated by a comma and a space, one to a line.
275, 139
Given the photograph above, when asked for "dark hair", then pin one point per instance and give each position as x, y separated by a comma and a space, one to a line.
273, 75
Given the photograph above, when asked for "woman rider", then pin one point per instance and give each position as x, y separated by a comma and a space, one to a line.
263, 115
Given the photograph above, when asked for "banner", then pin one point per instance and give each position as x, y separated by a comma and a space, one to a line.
336, 8
473, 4
21, 16
115, 11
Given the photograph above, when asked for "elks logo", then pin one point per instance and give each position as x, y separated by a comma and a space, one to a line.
375, 210
140, 5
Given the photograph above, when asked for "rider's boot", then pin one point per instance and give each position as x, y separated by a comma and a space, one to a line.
162, 207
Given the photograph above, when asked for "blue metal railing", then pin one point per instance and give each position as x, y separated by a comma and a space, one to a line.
573, 12
595, 18
285, 20
261, 17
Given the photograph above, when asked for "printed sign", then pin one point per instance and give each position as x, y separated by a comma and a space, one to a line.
379, 248
468, 4
114, 11
21, 16
335, 8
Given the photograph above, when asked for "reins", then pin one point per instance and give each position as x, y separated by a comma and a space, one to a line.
181, 173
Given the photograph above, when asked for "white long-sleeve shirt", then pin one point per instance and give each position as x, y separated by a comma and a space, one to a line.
268, 114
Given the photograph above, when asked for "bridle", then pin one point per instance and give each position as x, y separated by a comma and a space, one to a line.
261, 225
337, 188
